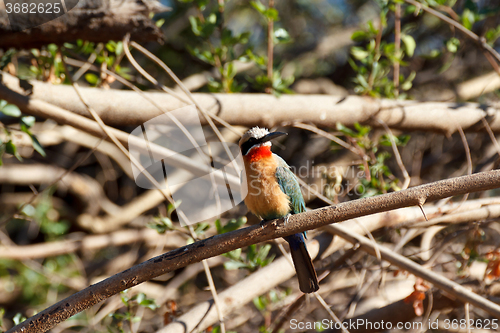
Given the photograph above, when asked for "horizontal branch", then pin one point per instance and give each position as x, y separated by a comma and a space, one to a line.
119, 108
91, 20
220, 244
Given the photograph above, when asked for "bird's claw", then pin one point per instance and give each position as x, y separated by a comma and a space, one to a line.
285, 219
262, 224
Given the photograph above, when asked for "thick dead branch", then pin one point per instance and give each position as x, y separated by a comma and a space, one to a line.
223, 243
90, 20
85, 188
119, 108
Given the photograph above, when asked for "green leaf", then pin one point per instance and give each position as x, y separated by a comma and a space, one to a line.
202, 4
234, 265
92, 78
195, 27
160, 23
201, 228
230, 71
212, 18
410, 44
272, 14
111, 46
362, 130
172, 207
260, 303
218, 226
11, 148
359, 36
347, 131
258, 6
359, 53
29, 121
362, 81
37, 146
11, 110
18, 318
281, 36
468, 18
232, 225
408, 83
452, 44
492, 34
262, 255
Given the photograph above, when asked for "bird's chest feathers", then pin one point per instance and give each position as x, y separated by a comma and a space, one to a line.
265, 197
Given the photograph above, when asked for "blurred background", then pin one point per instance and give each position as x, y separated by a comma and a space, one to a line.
71, 214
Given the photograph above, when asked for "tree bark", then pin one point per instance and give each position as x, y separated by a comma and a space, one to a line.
128, 108
90, 20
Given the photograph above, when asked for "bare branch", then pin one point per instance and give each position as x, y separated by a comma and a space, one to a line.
220, 244
118, 108
94, 21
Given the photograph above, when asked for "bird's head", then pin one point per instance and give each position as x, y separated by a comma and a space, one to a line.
257, 139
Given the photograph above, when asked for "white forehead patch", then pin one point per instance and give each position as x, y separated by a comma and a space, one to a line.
257, 132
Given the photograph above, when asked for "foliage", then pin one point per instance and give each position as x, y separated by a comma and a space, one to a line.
164, 223
46, 217
373, 61
7, 144
220, 47
256, 256
127, 316
378, 178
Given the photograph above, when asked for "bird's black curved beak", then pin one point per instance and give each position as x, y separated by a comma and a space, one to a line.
271, 136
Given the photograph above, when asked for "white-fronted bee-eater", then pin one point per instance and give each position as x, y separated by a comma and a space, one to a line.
274, 192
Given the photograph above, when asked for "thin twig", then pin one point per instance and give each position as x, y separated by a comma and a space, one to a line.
397, 46
330, 311
113, 138
205, 114
327, 135
211, 285
270, 48
89, 63
396, 154
492, 136
64, 174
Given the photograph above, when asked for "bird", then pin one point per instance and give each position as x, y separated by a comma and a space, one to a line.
274, 192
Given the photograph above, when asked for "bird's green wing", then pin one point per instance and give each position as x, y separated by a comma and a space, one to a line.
290, 186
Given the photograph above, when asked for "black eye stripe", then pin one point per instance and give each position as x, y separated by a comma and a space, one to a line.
247, 145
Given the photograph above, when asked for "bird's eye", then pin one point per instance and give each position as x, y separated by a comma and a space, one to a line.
248, 144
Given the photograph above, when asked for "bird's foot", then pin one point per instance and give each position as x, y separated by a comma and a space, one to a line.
285, 219
262, 224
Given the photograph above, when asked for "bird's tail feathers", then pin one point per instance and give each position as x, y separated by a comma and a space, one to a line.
306, 274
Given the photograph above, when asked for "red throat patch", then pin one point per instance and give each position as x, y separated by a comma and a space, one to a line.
255, 154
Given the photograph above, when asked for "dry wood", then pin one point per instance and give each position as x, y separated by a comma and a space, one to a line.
90, 20
220, 244
119, 108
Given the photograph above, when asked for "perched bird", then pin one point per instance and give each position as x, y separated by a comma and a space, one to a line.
274, 192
